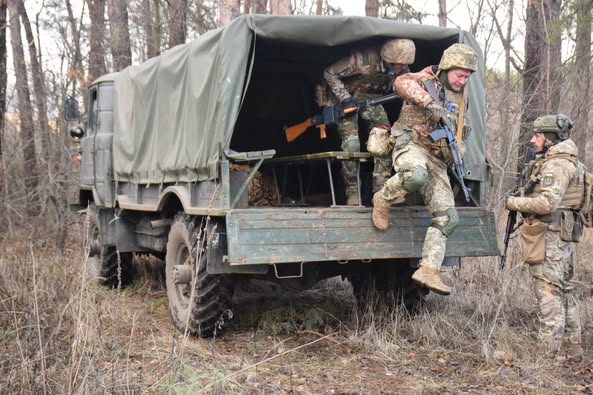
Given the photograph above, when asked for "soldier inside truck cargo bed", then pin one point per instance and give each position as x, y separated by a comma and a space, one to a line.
363, 75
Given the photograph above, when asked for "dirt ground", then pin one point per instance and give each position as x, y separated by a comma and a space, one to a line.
73, 336
274, 346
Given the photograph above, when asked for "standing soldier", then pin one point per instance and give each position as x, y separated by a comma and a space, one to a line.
434, 95
364, 75
550, 206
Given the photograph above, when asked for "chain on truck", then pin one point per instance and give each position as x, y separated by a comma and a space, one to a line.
185, 157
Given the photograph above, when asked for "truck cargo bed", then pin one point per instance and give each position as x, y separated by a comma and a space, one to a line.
271, 235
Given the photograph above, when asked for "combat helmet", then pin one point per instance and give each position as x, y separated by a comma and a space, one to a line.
459, 56
554, 127
398, 50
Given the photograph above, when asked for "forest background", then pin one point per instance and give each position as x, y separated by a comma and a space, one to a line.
62, 335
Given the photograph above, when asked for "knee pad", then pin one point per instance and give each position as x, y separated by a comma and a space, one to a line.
414, 179
445, 221
351, 144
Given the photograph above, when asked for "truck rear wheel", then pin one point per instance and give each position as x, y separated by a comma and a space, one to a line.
103, 261
199, 302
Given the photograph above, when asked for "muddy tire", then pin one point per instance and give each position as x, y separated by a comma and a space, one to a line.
387, 285
103, 262
199, 302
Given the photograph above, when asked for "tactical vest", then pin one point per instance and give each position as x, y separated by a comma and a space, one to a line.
574, 196
417, 118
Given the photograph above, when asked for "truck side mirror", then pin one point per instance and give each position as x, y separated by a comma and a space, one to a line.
71, 109
76, 133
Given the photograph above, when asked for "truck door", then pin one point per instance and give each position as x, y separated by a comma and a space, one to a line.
87, 144
103, 127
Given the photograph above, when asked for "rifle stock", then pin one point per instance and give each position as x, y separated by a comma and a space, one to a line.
292, 132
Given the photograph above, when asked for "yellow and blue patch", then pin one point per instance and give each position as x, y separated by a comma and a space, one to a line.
548, 178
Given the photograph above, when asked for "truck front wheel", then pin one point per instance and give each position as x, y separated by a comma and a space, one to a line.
199, 302
110, 268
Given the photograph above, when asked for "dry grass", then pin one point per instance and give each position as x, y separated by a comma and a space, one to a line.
63, 334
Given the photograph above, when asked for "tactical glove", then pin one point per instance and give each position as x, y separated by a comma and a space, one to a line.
348, 103
436, 112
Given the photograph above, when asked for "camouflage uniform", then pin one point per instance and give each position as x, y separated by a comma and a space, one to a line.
361, 76
414, 151
421, 165
558, 186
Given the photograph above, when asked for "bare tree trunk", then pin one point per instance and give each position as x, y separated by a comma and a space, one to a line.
77, 71
580, 110
177, 22
319, 7
3, 76
259, 6
246, 6
443, 13
371, 8
97, 65
533, 70
120, 35
38, 87
280, 7
25, 108
158, 31
229, 10
553, 33
148, 29
507, 44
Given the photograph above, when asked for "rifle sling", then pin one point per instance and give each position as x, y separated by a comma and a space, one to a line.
459, 134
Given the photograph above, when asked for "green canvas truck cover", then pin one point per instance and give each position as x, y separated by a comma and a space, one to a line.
175, 114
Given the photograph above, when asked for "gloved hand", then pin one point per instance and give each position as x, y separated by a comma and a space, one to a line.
436, 112
347, 103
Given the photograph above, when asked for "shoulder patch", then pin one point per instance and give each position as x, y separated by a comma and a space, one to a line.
548, 178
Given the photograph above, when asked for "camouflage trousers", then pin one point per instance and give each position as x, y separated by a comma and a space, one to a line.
348, 130
436, 193
558, 310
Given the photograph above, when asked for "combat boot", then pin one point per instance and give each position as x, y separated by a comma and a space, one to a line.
380, 212
429, 277
570, 353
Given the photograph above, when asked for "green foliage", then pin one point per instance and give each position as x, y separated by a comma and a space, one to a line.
188, 380
298, 317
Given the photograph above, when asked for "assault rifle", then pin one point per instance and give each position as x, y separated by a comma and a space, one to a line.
332, 116
458, 171
528, 156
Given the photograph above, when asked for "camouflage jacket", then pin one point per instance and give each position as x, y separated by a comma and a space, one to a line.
553, 182
362, 71
411, 88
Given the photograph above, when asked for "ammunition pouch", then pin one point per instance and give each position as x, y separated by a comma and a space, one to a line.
533, 241
568, 222
571, 226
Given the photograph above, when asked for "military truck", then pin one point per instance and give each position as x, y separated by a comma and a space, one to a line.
185, 157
